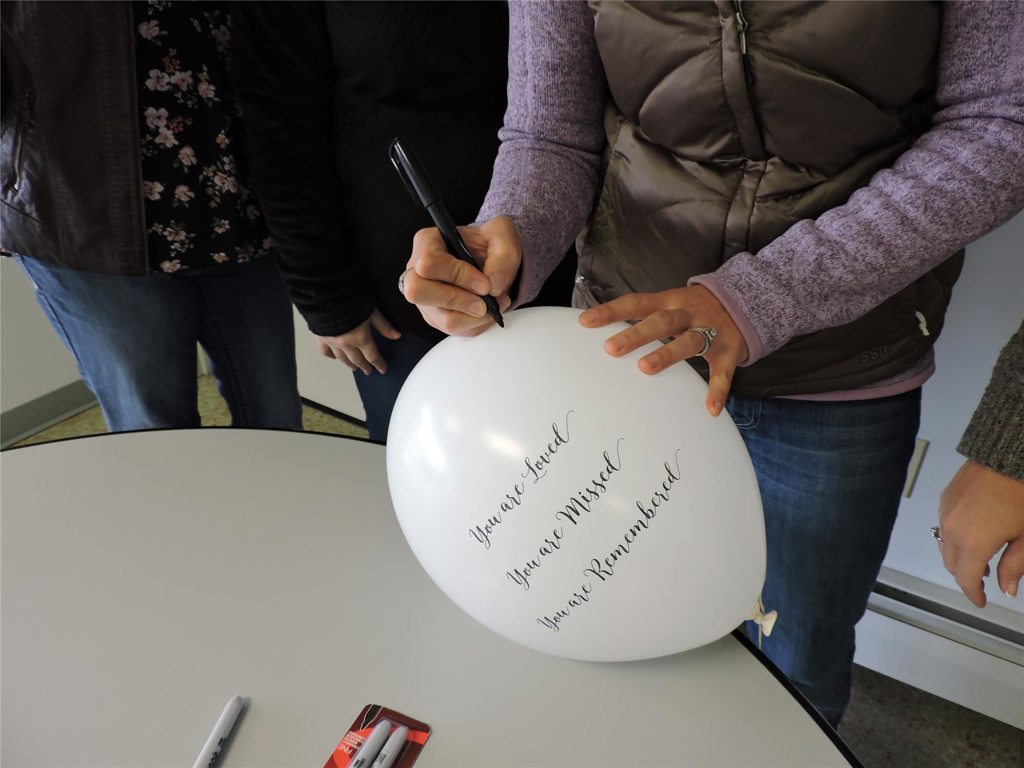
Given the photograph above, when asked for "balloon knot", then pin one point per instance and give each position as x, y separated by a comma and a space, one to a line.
765, 620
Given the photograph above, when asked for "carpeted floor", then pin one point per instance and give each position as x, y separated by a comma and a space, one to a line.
888, 724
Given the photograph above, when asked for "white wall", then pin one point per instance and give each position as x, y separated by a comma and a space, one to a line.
323, 380
954, 658
987, 307
33, 362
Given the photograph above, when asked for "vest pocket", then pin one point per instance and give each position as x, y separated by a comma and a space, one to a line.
21, 121
745, 411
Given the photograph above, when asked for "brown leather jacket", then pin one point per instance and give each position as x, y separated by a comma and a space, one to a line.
72, 181
735, 121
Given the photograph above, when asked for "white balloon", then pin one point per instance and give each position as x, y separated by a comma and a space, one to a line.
570, 502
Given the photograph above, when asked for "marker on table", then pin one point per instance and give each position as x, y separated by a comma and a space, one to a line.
421, 189
372, 746
213, 746
390, 751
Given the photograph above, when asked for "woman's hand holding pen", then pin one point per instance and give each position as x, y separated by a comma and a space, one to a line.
447, 291
669, 315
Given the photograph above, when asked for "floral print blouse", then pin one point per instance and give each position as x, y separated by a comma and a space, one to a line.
200, 206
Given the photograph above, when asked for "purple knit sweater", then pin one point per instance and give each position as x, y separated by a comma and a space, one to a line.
961, 179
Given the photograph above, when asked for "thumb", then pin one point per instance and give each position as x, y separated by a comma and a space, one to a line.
1011, 567
504, 254
383, 326
324, 348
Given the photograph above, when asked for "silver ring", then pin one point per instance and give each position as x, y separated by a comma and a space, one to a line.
706, 333
935, 534
401, 281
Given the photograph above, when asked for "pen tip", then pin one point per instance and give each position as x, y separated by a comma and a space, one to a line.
501, 323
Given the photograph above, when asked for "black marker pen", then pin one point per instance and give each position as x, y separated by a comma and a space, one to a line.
419, 186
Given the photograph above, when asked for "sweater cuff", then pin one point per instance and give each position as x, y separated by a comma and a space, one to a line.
325, 323
755, 349
995, 436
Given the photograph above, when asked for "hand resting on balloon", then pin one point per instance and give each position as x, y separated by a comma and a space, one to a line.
669, 314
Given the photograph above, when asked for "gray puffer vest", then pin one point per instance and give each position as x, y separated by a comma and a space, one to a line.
731, 121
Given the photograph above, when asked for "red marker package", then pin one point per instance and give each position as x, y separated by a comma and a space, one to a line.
380, 737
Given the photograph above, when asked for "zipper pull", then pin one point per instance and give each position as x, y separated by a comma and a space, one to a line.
742, 25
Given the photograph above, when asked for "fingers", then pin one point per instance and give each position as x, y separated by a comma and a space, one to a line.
433, 285
456, 323
675, 314
383, 326
632, 306
448, 291
324, 348
499, 240
723, 368
356, 349
684, 346
722, 362
371, 358
1011, 567
967, 576
980, 512
431, 261
353, 358
967, 558
969, 572
658, 324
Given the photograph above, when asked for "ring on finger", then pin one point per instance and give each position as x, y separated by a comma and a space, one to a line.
705, 332
401, 281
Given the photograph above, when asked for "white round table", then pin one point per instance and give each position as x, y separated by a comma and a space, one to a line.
147, 577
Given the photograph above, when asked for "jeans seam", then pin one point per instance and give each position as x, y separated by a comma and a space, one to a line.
229, 368
59, 325
755, 417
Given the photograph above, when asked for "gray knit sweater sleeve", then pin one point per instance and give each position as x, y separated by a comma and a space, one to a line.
549, 164
963, 177
995, 436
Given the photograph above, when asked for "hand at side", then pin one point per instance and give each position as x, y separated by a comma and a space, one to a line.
357, 349
980, 511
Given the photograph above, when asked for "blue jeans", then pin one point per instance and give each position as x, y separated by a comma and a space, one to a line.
134, 340
379, 391
831, 475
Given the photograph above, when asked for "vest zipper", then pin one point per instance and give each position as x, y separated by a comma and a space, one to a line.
19, 137
737, 80
743, 25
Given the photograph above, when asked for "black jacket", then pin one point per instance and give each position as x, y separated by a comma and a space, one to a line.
72, 178
324, 88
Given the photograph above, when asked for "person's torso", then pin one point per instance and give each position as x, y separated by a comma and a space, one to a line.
75, 129
433, 74
200, 208
730, 122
